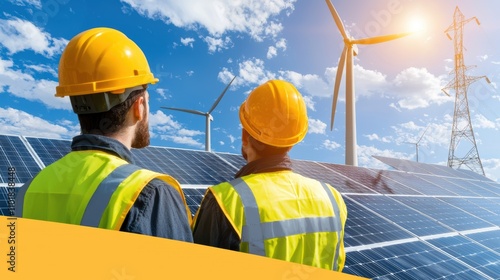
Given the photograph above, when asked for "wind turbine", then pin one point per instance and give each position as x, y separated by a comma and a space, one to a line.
351, 50
418, 142
207, 115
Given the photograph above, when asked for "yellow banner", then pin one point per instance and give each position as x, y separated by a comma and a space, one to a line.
32, 249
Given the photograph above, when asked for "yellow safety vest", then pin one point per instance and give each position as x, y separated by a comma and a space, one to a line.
90, 188
286, 216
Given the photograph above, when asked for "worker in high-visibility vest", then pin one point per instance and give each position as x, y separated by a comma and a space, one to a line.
105, 74
269, 210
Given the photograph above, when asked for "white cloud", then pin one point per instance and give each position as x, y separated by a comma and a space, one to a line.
330, 145
366, 159
309, 102
18, 35
281, 44
492, 168
217, 17
43, 69
187, 41
183, 140
372, 137
482, 57
481, 121
316, 126
167, 128
17, 122
252, 72
308, 83
160, 122
190, 133
271, 52
417, 88
231, 138
26, 86
217, 44
36, 3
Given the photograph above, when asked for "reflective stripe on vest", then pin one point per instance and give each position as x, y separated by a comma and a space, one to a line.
102, 195
254, 232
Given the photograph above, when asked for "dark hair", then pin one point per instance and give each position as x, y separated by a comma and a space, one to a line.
109, 122
265, 150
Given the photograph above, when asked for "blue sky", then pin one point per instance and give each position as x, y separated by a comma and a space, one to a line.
195, 47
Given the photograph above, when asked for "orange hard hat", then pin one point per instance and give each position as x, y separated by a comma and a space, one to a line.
275, 114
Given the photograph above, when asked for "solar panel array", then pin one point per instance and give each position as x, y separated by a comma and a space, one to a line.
421, 221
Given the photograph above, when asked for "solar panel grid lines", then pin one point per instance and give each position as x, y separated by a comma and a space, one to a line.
14, 154
406, 217
416, 183
411, 260
443, 212
376, 180
478, 207
473, 175
193, 196
49, 150
479, 258
365, 227
489, 239
236, 161
322, 173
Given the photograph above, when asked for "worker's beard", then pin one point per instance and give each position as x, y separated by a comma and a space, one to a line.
141, 138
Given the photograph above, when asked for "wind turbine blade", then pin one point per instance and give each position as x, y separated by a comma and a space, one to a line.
220, 96
185, 110
338, 79
422, 135
380, 39
337, 19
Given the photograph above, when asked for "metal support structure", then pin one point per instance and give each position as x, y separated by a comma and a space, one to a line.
463, 149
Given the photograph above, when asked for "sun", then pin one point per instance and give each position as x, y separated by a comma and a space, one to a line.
416, 24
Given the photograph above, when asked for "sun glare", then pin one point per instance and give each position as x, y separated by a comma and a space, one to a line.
416, 24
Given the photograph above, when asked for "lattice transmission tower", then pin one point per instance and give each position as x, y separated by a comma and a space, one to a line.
463, 149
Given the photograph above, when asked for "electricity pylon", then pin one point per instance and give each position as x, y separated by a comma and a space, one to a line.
463, 149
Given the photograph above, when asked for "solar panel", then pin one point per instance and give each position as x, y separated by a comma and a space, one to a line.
325, 174
418, 222
443, 212
15, 154
49, 150
412, 260
6, 194
367, 227
408, 218
489, 239
193, 198
189, 167
471, 253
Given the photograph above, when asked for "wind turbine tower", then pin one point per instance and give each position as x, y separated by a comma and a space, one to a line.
463, 149
350, 50
208, 116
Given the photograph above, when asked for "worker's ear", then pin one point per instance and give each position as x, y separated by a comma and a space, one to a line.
139, 107
244, 137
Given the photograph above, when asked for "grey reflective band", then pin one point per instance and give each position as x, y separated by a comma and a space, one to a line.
102, 195
338, 224
253, 233
20, 198
296, 226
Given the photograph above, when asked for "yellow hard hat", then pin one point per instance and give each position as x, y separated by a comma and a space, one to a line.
275, 114
102, 60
